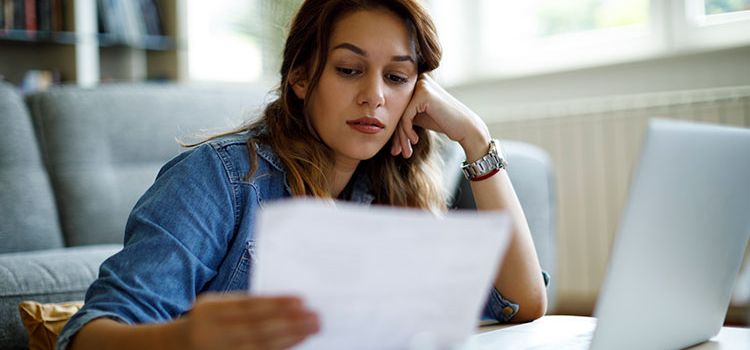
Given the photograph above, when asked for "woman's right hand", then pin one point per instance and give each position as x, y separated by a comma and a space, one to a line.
241, 321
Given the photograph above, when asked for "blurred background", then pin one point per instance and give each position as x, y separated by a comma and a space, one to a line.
578, 78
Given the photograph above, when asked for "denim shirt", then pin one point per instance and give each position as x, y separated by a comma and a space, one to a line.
192, 232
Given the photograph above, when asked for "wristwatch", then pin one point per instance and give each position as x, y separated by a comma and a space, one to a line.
490, 164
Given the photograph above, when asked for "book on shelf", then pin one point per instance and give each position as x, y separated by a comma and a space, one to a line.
129, 21
44, 15
35, 17
134, 31
29, 10
152, 17
19, 15
57, 10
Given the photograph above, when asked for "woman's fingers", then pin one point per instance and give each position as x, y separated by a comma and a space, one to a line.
281, 329
413, 136
244, 308
251, 322
407, 122
283, 324
405, 135
406, 149
415, 107
396, 143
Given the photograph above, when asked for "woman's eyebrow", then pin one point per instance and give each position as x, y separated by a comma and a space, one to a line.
361, 52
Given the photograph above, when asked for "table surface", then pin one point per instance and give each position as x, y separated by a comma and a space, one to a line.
560, 328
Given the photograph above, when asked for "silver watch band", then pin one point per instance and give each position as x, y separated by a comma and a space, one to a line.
491, 161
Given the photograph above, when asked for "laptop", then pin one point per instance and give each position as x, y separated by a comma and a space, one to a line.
680, 244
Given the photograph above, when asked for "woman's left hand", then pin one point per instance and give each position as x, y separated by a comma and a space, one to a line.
433, 108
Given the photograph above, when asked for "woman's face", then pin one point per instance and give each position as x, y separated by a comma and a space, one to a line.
366, 84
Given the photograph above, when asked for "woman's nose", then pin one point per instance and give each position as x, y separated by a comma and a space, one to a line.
371, 92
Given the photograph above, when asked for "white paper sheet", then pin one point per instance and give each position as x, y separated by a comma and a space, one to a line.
378, 277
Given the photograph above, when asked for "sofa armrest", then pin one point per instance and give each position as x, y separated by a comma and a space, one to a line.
46, 276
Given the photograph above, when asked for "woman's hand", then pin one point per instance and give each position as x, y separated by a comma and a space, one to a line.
247, 322
217, 321
431, 107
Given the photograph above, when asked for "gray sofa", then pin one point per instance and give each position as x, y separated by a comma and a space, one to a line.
74, 161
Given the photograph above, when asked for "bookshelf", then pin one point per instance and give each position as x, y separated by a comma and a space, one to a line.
86, 42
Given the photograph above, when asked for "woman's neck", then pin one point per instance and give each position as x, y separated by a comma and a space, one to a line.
342, 174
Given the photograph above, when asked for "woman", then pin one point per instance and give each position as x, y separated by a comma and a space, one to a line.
351, 122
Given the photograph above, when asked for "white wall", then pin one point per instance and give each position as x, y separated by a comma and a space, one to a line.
729, 67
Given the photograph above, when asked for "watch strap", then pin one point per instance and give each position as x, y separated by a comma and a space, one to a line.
490, 164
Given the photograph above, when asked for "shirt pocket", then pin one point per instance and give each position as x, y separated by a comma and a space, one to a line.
243, 271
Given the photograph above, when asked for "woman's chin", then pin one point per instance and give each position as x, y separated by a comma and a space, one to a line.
366, 154
363, 150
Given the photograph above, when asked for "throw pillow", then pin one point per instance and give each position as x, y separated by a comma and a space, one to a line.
44, 322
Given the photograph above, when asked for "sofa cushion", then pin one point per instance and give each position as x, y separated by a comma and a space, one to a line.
104, 146
45, 276
28, 217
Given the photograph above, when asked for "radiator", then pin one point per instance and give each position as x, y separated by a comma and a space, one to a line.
593, 144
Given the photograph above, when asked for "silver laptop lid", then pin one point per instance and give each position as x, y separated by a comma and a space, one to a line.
681, 240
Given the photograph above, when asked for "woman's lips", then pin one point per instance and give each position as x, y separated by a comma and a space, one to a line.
366, 125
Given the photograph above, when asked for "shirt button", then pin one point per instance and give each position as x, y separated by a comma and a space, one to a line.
507, 310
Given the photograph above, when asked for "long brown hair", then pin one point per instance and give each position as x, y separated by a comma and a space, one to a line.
413, 182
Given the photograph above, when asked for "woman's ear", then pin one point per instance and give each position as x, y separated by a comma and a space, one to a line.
298, 81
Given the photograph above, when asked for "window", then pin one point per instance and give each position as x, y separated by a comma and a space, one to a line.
536, 19
709, 24
503, 39
723, 7
236, 40
241, 40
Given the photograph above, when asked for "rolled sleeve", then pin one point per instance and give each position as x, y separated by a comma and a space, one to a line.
500, 309
79, 320
175, 238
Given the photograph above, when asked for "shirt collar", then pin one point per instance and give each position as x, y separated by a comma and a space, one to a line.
361, 189
361, 186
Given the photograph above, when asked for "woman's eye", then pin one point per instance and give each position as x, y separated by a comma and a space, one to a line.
349, 72
397, 78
